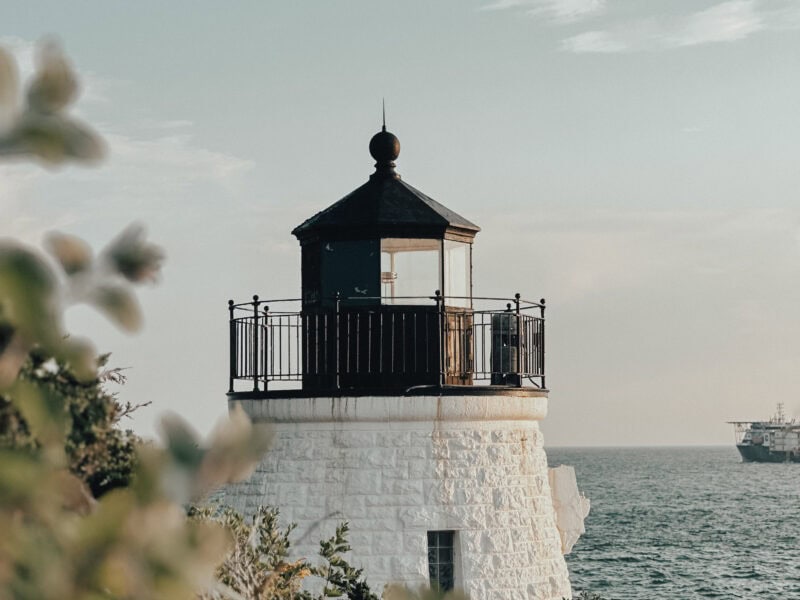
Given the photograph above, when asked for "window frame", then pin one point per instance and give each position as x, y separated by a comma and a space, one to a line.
441, 544
392, 246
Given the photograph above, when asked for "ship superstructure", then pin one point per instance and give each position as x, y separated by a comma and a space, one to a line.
775, 440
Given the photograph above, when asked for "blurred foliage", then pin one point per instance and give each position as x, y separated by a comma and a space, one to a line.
98, 452
134, 542
37, 124
402, 593
58, 541
35, 290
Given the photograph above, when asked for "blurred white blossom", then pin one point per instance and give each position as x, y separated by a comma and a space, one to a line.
40, 127
131, 256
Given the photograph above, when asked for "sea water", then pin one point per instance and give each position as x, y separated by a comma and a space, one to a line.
683, 523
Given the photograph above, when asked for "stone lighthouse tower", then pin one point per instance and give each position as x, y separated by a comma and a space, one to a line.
402, 402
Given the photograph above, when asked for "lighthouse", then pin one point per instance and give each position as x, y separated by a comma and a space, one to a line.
401, 401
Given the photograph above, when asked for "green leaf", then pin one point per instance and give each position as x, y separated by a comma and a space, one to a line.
79, 356
72, 253
119, 304
43, 410
132, 257
8, 86
54, 84
52, 138
182, 442
28, 293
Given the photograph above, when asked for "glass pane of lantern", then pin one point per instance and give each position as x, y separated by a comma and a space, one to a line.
410, 270
349, 268
457, 273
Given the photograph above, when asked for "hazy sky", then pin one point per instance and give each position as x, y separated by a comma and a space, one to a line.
637, 163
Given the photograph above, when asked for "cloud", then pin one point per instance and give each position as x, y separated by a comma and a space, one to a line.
558, 11
173, 124
174, 157
728, 21
600, 42
583, 255
725, 22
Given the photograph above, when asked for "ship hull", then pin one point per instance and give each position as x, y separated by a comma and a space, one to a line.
751, 453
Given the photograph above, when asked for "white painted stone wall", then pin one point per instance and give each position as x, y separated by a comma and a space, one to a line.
570, 505
398, 467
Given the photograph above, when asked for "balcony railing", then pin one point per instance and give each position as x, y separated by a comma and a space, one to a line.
366, 345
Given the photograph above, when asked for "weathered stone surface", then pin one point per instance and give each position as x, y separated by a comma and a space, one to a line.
570, 505
396, 468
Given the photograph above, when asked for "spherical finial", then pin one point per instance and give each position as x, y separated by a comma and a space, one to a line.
384, 147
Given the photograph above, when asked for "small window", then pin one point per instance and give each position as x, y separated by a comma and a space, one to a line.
441, 560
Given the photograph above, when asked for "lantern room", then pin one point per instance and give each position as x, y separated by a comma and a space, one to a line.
387, 304
386, 243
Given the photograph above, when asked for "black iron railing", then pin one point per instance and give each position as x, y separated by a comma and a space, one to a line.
369, 344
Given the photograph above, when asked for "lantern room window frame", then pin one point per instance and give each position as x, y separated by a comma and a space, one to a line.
400, 285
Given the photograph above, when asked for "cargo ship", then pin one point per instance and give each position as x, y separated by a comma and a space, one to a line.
775, 440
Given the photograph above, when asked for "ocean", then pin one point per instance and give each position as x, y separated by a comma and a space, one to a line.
685, 523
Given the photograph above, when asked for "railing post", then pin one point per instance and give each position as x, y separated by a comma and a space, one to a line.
541, 308
506, 330
338, 299
255, 343
519, 340
266, 341
442, 340
232, 348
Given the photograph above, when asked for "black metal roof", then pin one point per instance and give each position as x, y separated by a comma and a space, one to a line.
385, 206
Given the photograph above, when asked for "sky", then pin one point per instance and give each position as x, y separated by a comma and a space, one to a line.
634, 163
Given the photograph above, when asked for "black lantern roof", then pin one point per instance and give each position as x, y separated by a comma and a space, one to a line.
385, 206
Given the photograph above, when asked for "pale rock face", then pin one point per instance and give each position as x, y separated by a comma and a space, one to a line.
398, 467
570, 505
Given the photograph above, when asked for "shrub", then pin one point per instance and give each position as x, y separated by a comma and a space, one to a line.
98, 452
